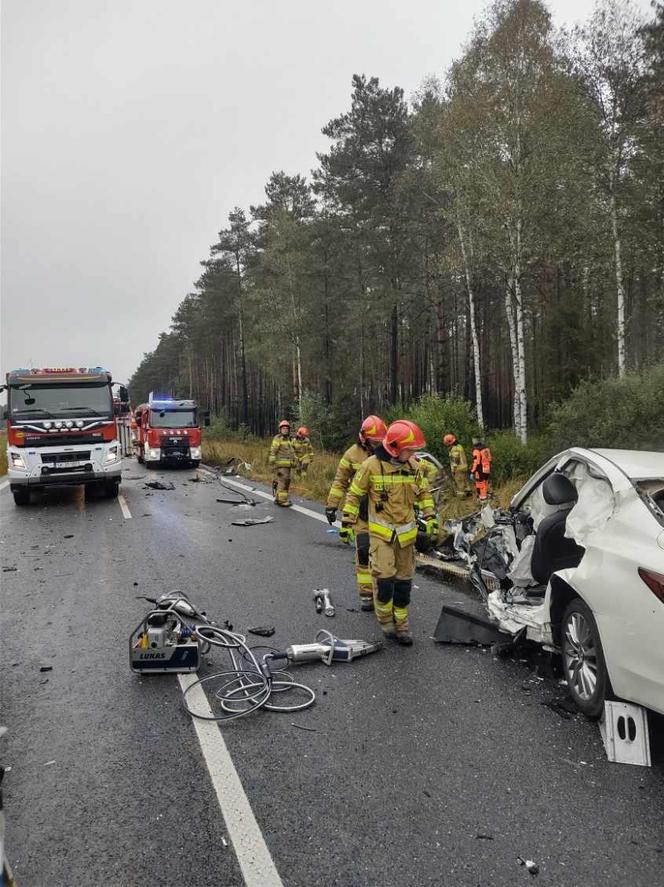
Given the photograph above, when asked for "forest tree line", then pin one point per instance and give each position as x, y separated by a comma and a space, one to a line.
500, 238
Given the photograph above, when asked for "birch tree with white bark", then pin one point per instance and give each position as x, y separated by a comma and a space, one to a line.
609, 59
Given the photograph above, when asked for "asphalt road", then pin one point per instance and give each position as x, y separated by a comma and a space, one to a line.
428, 765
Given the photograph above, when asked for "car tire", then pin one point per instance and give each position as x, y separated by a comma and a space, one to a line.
584, 666
195, 463
91, 491
21, 496
139, 457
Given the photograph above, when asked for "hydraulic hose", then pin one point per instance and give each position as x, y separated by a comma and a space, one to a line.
249, 684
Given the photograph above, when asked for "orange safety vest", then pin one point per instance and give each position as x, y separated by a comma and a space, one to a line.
482, 462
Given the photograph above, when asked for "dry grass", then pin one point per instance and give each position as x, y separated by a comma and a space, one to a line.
255, 453
221, 452
3, 452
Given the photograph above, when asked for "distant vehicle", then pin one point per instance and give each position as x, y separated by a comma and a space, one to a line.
584, 551
62, 430
168, 432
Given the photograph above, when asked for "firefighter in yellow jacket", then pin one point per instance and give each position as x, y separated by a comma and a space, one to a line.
283, 460
304, 452
372, 432
395, 484
458, 464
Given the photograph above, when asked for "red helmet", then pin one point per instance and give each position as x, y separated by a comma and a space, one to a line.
284, 422
373, 429
303, 431
449, 440
403, 435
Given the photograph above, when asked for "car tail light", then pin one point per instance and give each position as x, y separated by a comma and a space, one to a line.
654, 581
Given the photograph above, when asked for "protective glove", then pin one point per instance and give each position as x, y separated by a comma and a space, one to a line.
432, 527
347, 534
331, 515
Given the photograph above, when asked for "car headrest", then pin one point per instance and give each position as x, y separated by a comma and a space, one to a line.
558, 489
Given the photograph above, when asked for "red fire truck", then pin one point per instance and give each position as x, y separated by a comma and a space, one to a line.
168, 432
62, 429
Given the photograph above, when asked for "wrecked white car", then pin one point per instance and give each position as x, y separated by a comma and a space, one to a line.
580, 563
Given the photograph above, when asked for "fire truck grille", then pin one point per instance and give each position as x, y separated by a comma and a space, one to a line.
62, 440
52, 458
175, 447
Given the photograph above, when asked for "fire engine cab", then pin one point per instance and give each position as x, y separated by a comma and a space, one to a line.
168, 432
61, 429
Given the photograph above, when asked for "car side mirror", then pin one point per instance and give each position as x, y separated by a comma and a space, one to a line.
206, 418
5, 413
124, 394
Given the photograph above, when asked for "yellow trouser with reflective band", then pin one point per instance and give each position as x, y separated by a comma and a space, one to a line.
363, 577
405, 534
281, 484
393, 568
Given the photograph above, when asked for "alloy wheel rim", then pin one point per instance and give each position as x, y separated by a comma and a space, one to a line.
580, 656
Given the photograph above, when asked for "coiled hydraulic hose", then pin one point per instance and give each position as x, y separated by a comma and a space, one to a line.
249, 684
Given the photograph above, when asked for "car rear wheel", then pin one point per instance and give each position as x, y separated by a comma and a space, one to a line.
195, 463
583, 659
21, 496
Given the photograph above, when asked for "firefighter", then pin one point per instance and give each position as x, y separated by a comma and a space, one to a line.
372, 432
283, 460
458, 464
304, 452
395, 485
480, 471
429, 470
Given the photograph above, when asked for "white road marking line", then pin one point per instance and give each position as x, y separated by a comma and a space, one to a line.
300, 508
256, 863
126, 513
5, 483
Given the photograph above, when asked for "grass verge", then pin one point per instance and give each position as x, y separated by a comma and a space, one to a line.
221, 452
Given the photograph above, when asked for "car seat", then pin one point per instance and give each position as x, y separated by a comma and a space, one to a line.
552, 550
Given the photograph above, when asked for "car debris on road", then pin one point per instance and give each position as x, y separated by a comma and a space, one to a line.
252, 521
264, 631
323, 601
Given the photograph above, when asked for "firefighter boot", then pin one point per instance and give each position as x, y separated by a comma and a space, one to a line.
401, 602
383, 606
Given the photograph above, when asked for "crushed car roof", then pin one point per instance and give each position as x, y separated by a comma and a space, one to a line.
636, 464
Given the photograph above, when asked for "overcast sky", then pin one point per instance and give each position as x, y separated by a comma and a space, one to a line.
130, 128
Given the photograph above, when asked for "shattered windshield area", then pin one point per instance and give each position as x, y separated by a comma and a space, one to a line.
34, 401
652, 494
173, 419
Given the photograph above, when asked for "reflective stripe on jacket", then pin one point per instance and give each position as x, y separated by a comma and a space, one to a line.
303, 450
393, 491
346, 470
282, 454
